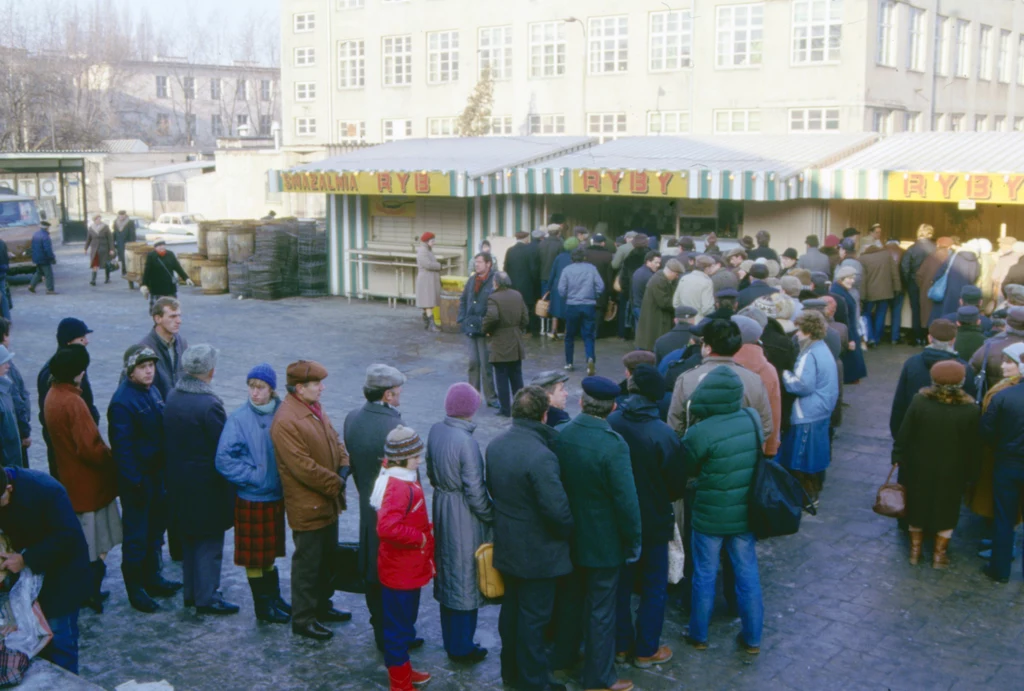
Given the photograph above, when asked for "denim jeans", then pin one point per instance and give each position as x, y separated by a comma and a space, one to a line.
896, 307
63, 648
580, 320
1008, 486
875, 313
645, 638
742, 552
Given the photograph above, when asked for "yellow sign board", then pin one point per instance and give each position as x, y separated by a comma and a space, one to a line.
422, 184
394, 207
955, 187
630, 183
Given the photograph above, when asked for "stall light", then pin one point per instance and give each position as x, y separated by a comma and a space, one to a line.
561, 173
731, 176
967, 177
1006, 179
683, 173
936, 177
906, 176
772, 176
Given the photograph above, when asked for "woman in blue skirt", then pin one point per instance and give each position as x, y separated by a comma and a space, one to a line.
815, 383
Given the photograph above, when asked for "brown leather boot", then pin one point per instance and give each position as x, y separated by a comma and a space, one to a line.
916, 538
940, 560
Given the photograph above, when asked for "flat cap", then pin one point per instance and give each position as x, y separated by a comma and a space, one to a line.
159, 243
522, 235
815, 304
549, 378
790, 253
1014, 294
635, 358
199, 359
598, 238
968, 314
1014, 351
970, 293
942, 330
685, 312
1015, 318
304, 371
703, 261
539, 233
675, 266
727, 293
844, 272
601, 388
380, 376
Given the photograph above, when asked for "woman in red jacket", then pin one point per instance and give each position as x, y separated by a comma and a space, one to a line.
405, 561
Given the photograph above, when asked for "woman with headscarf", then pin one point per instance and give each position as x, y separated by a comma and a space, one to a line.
557, 309
937, 449
854, 368
428, 280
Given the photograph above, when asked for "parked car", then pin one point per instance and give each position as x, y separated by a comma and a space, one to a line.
177, 224
19, 220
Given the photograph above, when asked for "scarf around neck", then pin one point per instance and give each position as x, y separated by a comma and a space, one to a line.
379, 487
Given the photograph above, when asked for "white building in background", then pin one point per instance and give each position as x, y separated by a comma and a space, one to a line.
379, 70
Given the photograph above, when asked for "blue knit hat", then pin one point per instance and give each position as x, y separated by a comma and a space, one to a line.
264, 373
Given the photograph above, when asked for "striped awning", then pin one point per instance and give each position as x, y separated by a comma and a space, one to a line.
838, 183
694, 183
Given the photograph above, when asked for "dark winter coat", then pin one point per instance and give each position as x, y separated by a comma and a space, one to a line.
963, 271
201, 501
168, 371
659, 468
522, 264
601, 258
1001, 427
679, 337
969, 337
473, 306
99, 244
462, 510
135, 425
814, 260
22, 402
10, 438
755, 290
557, 308
925, 278
916, 375
764, 252
657, 315
781, 352
1015, 276
939, 452
505, 322
123, 236
549, 248
638, 286
914, 258
532, 520
158, 274
854, 368
365, 431
633, 261
990, 355
881, 275
42, 248
44, 528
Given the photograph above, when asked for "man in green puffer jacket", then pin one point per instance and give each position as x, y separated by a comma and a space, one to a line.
722, 450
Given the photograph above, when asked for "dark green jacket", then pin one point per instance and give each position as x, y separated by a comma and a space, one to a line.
969, 338
598, 478
722, 451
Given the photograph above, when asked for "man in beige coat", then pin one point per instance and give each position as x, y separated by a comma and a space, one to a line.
310, 456
697, 289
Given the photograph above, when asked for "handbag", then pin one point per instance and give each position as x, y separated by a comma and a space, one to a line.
489, 579
543, 307
345, 573
891, 499
676, 556
937, 293
777, 501
611, 311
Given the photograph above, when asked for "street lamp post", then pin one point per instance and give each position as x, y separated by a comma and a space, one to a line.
583, 70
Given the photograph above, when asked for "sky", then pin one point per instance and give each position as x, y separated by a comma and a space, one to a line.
168, 10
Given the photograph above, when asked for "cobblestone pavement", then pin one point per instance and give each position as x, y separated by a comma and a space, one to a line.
843, 609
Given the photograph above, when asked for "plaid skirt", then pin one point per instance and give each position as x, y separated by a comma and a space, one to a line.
259, 533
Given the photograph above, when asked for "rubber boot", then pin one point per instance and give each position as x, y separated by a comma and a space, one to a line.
940, 560
401, 677
264, 602
273, 580
92, 282
418, 678
916, 538
155, 584
426, 322
98, 596
137, 595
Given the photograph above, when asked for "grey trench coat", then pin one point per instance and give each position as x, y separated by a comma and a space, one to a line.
428, 277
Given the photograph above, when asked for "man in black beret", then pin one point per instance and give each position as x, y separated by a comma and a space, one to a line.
969, 335
970, 296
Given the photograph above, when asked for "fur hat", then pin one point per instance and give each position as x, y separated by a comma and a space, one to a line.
942, 330
199, 359
844, 272
948, 373
304, 371
1015, 318
635, 358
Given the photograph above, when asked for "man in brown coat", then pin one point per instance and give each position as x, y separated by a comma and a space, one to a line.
309, 458
657, 314
504, 323
880, 284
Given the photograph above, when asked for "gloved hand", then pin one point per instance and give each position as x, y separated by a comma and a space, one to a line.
190, 282
634, 555
145, 291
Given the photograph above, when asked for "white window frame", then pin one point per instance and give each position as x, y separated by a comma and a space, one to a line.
241, 120
888, 43
817, 38
305, 127
739, 120
441, 128
303, 22
671, 40
1005, 64
305, 91
955, 122
981, 123
495, 51
546, 42
304, 57
667, 122
188, 88
351, 5
392, 123
1020, 59
242, 91
912, 121
163, 86
351, 63
1018, 123
216, 88
352, 131
739, 36
396, 60
917, 43
943, 36
499, 126
939, 122
985, 34
608, 44
998, 123
442, 57
606, 126
962, 48
217, 125
882, 120
814, 119
547, 123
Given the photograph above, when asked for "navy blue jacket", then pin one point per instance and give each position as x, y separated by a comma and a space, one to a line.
44, 528
916, 375
1000, 425
556, 416
135, 423
473, 305
42, 248
659, 468
756, 289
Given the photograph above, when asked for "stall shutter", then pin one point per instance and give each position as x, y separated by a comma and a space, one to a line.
445, 218
393, 230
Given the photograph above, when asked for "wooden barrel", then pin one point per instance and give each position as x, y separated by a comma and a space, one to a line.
241, 243
204, 228
135, 258
214, 275
449, 309
186, 260
217, 243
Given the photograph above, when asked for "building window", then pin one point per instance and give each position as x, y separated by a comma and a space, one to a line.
241, 90
942, 30
547, 49
499, 126
217, 125
961, 49
304, 22
352, 64
352, 131
606, 126
609, 44
817, 30
918, 54
1018, 124
814, 120
999, 123
265, 89
911, 122
981, 123
397, 129
956, 122
442, 127
190, 125
740, 29
188, 85
305, 127
939, 122
397, 52
728, 121
175, 192
241, 120
1020, 59
1005, 58
163, 124
215, 89
351, 4
305, 91
266, 122
985, 53
442, 57
668, 122
547, 124
495, 52
161, 87
671, 40
305, 57
881, 121
886, 33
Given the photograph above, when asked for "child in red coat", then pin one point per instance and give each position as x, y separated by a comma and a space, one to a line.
405, 561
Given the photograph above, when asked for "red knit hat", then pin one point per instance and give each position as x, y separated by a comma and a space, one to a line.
427, 237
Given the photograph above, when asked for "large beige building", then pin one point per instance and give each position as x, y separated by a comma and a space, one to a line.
379, 70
